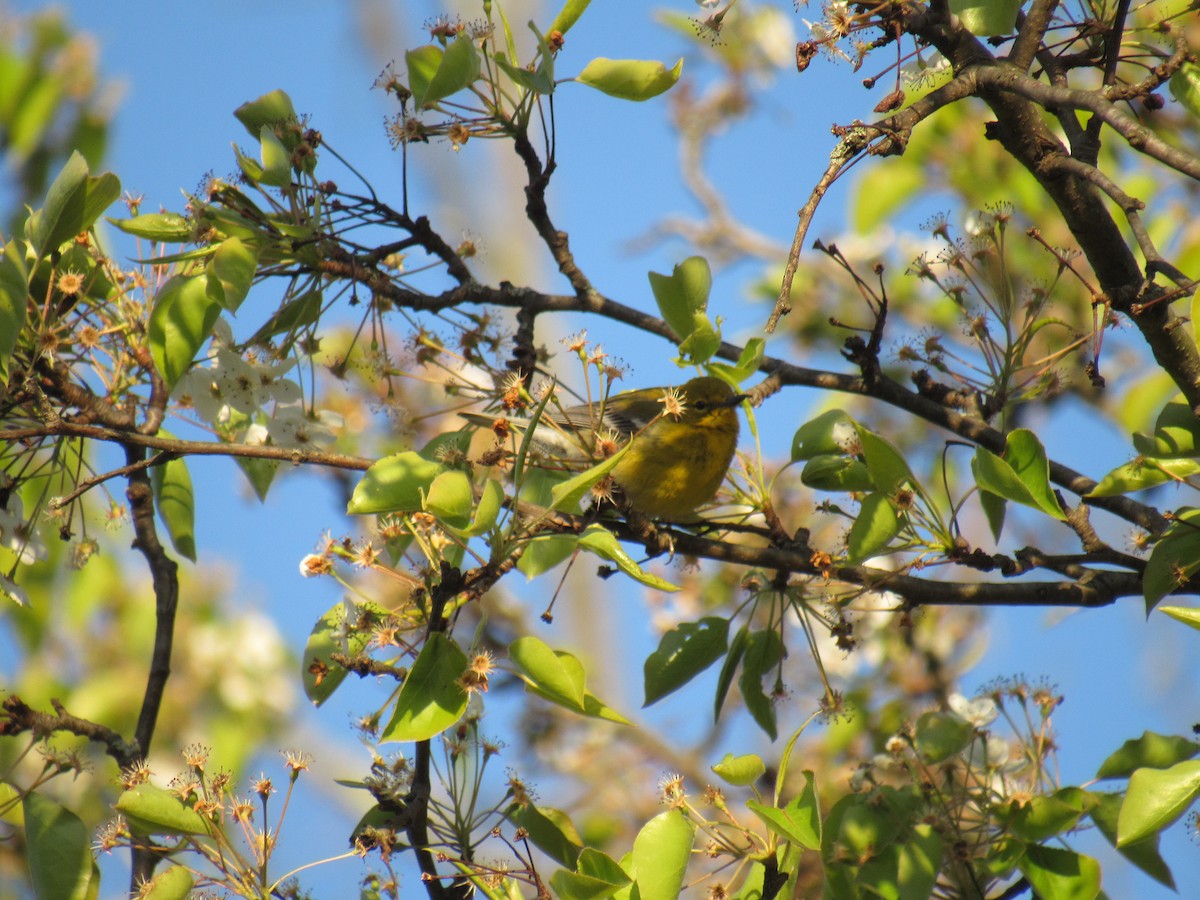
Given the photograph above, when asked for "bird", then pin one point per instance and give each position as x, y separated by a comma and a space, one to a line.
680, 441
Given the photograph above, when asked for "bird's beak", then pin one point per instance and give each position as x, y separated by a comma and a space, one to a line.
736, 399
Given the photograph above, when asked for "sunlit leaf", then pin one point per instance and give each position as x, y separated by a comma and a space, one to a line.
599, 540
660, 855
152, 810
1151, 750
1155, 799
181, 320
176, 503
630, 79
432, 698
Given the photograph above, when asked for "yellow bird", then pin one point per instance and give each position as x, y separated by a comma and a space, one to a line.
681, 441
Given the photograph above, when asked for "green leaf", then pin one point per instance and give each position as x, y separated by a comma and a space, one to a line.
600, 865
660, 855
333, 633
556, 674
1046, 815
176, 503
798, 822
832, 433
764, 649
985, 18
432, 698
1143, 854
552, 832
170, 228
866, 829
457, 68
1151, 751
568, 495
14, 293
394, 484
630, 79
836, 473
878, 521
491, 502
276, 168
1025, 479
73, 203
422, 65
545, 552
1188, 615
919, 863
733, 659
1185, 87
1155, 799
596, 876
450, 498
599, 540
273, 108
231, 271
1136, 475
58, 850
1174, 559
702, 342
151, 810
569, 15
294, 314
886, 464
180, 322
994, 508
942, 735
748, 362
683, 653
174, 883
683, 294
1060, 874
1176, 433
740, 771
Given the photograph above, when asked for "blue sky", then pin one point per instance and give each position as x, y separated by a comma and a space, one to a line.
185, 67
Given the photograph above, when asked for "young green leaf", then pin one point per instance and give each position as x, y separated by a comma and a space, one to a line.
1155, 799
740, 771
599, 540
168, 227
432, 698
878, 522
660, 856
74, 202
394, 484
176, 503
832, 433
181, 321
1150, 751
630, 79
270, 109
231, 271
152, 810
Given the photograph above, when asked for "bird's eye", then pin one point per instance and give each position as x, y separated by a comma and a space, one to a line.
701, 405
